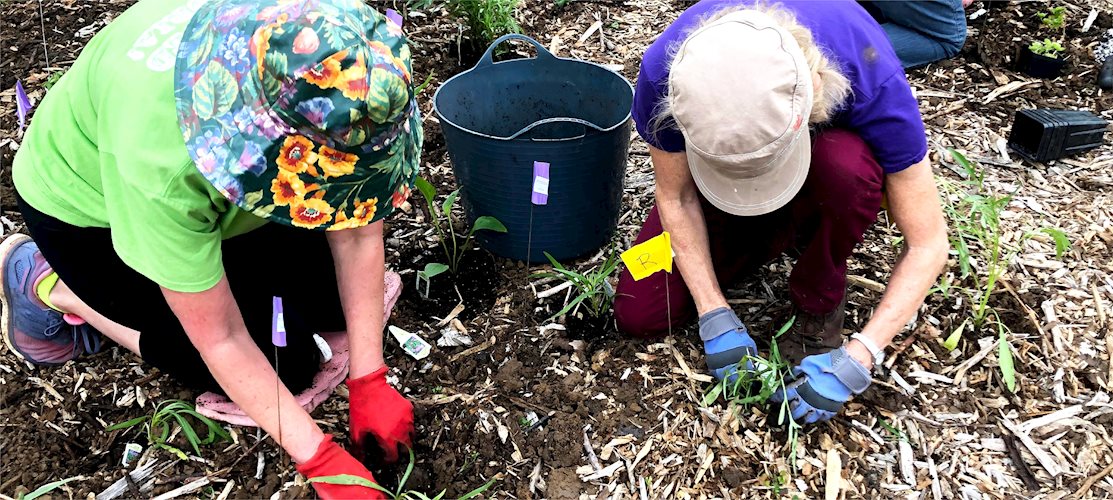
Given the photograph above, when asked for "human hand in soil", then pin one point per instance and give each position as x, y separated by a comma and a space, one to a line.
725, 343
823, 383
332, 460
379, 413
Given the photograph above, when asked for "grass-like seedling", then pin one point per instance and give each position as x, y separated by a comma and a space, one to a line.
47, 488
595, 294
167, 414
975, 209
445, 222
1047, 48
756, 388
401, 493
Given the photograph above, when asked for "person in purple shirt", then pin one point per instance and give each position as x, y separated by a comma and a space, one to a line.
778, 129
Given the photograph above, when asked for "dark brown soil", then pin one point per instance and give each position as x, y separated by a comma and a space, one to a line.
460, 401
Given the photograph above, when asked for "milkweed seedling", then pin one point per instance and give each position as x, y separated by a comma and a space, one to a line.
168, 414
454, 245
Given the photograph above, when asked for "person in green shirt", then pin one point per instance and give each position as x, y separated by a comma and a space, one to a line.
209, 178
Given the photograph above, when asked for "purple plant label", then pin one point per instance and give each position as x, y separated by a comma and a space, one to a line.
393, 15
540, 183
278, 323
22, 104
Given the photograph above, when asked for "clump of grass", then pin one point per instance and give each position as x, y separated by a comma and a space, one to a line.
159, 424
984, 257
401, 493
594, 292
756, 387
486, 20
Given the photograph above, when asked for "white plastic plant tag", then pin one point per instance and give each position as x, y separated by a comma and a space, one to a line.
326, 351
414, 345
131, 453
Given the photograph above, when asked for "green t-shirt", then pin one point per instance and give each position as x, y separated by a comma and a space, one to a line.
104, 150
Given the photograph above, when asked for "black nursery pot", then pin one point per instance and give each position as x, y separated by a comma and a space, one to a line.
1039, 66
1042, 135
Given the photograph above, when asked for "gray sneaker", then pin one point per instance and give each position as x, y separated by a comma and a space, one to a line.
30, 329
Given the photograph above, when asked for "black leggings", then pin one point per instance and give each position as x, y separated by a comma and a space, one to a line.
259, 265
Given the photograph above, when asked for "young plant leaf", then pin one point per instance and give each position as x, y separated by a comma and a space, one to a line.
479, 491
449, 202
952, 340
48, 487
1005, 360
428, 192
350, 480
409, 470
488, 223
433, 269
713, 394
127, 423
1062, 242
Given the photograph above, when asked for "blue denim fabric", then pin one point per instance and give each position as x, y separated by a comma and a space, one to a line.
921, 31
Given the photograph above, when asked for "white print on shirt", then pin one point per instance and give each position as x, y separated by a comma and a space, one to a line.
162, 58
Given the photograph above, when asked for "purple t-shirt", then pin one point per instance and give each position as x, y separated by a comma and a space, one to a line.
881, 109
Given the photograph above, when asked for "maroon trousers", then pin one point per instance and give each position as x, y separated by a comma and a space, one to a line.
840, 199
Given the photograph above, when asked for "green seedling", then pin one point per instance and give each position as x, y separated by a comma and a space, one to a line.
401, 493
561, 3
1005, 356
974, 210
47, 488
426, 275
53, 79
421, 88
454, 245
898, 435
485, 20
595, 293
758, 386
1046, 48
166, 415
1055, 18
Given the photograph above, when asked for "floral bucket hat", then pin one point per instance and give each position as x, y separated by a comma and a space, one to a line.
300, 111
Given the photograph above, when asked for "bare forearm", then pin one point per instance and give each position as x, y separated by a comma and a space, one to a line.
360, 268
213, 322
688, 230
915, 273
249, 380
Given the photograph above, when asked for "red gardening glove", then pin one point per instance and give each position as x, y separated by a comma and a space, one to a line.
380, 412
332, 460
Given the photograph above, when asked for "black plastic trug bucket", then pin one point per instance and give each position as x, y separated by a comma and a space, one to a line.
500, 118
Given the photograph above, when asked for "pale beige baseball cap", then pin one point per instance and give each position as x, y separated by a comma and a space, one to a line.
740, 91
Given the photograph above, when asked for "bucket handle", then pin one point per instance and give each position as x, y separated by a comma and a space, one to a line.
488, 57
538, 123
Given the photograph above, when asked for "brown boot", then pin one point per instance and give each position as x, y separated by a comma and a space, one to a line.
812, 334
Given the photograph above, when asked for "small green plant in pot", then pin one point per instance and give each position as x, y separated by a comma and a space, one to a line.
173, 412
594, 294
455, 245
1044, 58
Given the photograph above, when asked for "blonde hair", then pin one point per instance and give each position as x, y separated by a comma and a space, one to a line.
833, 87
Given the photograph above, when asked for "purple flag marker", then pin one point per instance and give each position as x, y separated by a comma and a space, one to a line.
278, 323
540, 183
22, 104
393, 15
